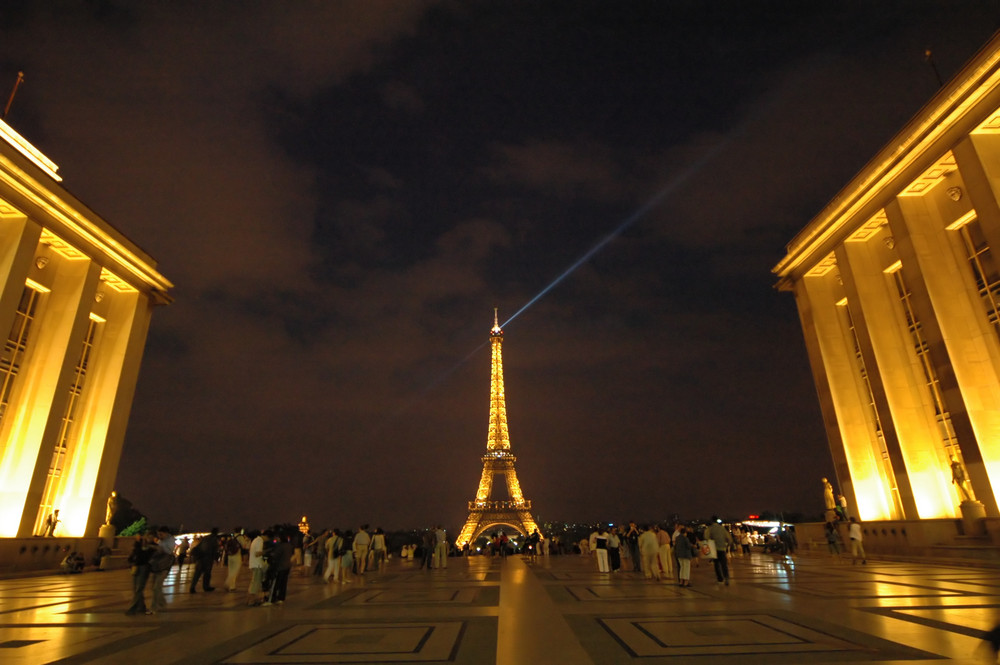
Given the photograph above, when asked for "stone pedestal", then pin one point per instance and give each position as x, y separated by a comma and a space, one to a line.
107, 536
830, 515
973, 516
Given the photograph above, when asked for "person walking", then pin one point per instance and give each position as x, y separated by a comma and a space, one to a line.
138, 560
722, 539
857, 544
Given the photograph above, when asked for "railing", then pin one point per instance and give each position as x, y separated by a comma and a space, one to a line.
500, 505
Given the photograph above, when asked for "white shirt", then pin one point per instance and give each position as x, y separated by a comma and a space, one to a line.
854, 531
257, 552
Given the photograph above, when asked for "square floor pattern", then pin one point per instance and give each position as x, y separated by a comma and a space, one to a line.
369, 643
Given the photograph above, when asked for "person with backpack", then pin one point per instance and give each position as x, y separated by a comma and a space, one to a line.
334, 557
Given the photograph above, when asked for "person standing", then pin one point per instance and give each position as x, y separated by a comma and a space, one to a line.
842, 505
50, 524
427, 549
281, 559
362, 541
600, 541
334, 549
745, 541
832, 538
441, 547
614, 550
684, 551
378, 549
722, 539
138, 561
857, 544
649, 550
234, 560
204, 555
664, 556
255, 560
182, 551
632, 542
347, 558
532, 544
160, 563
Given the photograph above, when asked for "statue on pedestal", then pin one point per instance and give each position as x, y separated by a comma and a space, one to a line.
112, 507
959, 478
828, 500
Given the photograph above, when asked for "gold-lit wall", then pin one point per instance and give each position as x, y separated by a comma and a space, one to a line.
75, 305
897, 284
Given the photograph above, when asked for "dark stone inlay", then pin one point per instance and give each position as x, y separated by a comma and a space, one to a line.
902, 614
17, 644
866, 647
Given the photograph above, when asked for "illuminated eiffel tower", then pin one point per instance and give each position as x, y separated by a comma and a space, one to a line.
484, 512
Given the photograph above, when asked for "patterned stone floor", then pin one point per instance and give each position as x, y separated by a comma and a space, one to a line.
809, 609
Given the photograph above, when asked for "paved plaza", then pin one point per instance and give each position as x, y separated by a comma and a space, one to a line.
808, 609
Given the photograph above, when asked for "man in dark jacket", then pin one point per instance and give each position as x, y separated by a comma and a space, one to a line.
204, 555
281, 559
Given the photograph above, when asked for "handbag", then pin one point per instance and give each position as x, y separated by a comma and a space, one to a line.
161, 561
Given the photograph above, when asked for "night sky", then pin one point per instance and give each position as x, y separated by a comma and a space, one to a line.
343, 191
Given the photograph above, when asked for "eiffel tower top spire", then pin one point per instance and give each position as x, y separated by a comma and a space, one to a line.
498, 438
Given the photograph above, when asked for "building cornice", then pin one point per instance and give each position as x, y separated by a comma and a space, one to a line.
28, 184
951, 114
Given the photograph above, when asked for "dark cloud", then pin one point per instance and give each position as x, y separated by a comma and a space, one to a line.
343, 191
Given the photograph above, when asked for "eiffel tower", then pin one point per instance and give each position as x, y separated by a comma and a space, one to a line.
483, 511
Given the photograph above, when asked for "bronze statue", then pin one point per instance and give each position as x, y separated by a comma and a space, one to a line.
112, 507
959, 478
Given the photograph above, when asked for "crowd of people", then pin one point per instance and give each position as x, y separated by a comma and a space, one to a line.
666, 553
270, 556
338, 556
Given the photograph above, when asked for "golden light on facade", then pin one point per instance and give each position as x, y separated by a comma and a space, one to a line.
899, 299
76, 297
33, 154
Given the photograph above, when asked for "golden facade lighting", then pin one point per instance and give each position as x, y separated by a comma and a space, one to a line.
898, 292
76, 298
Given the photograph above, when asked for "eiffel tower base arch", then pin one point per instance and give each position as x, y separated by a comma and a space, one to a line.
482, 519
